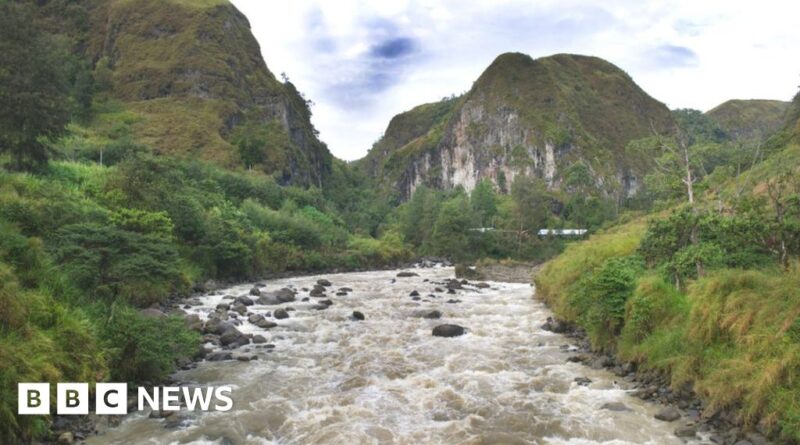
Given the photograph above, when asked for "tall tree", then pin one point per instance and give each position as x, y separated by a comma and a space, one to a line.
34, 101
483, 201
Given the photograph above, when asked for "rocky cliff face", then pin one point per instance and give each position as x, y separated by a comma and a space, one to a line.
750, 119
191, 72
525, 117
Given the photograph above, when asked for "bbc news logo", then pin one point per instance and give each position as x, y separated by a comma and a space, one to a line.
112, 398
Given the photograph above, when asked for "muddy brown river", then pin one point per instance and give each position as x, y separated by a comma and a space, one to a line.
387, 380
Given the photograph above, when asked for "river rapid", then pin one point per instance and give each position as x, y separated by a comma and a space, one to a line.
386, 380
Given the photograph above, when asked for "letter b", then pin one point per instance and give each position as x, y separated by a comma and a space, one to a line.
34, 398
72, 398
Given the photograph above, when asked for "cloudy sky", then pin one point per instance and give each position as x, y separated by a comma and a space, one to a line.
363, 62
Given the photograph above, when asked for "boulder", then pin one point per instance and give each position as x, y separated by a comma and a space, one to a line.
223, 306
358, 316
66, 438
240, 308
553, 325
323, 282
448, 330
317, 291
668, 414
615, 406
233, 337
582, 381
432, 315
320, 307
280, 314
686, 431
414, 294
259, 339
255, 292
215, 326
326, 302
194, 322
265, 324
285, 295
407, 274
219, 356
255, 318
245, 300
482, 285
345, 289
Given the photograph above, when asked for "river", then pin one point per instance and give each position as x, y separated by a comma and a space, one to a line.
387, 380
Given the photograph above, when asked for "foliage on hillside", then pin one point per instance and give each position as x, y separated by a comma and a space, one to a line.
729, 332
189, 75
750, 119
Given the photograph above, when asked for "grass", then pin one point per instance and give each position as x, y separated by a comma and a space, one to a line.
557, 278
734, 334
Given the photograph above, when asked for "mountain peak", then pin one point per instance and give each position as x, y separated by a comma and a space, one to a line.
529, 117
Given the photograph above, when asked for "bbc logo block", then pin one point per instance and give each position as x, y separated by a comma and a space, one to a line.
34, 398
72, 398
112, 398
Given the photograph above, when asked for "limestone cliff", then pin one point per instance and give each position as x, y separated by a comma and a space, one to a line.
524, 117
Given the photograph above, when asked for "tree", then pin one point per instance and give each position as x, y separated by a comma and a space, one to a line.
451, 235
531, 203
483, 202
784, 195
34, 105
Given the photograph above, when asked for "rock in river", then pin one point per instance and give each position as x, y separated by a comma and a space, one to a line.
448, 330
358, 316
280, 314
233, 338
668, 414
244, 299
407, 274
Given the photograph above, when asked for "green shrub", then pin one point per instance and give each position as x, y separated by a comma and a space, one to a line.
145, 349
654, 304
600, 298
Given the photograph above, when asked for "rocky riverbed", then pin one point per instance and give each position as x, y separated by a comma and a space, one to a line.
409, 356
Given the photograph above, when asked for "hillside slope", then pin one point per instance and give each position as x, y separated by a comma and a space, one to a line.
750, 119
189, 74
524, 117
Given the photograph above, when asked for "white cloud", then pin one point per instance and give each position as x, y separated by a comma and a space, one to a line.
363, 62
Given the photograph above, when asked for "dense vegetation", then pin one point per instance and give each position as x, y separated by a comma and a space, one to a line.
705, 291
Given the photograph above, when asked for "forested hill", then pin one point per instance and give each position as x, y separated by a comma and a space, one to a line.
525, 117
190, 81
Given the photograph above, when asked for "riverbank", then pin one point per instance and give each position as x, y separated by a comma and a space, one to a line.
681, 407
728, 335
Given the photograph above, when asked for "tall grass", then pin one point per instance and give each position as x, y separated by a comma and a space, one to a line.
733, 334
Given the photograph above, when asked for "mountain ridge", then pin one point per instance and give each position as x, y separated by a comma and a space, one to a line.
526, 116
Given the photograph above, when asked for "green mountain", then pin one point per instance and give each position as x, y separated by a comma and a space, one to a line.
187, 77
524, 116
750, 119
